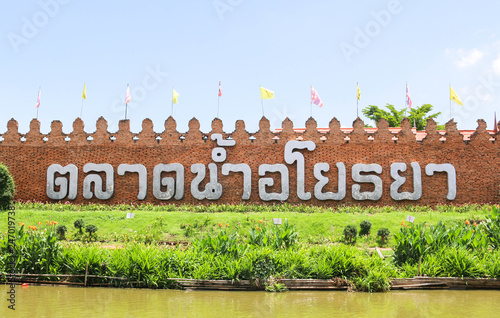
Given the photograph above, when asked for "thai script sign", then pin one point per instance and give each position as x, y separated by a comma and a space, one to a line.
99, 179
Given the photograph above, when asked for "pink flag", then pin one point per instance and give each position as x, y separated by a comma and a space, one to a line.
128, 98
38, 98
315, 97
408, 98
220, 89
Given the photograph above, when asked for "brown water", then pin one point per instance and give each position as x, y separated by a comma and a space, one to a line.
41, 301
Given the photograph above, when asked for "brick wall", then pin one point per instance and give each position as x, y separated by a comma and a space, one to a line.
476, 161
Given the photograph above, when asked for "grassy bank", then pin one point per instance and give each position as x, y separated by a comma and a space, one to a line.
260, 251
184, 223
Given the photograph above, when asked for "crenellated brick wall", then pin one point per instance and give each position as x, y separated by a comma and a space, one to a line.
475, 157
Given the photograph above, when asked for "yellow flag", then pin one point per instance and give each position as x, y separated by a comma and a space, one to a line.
84, 94
175, 96
359, 92
454, 97
265, 93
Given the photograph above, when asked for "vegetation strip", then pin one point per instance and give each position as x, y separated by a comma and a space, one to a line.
270, 257
163, 224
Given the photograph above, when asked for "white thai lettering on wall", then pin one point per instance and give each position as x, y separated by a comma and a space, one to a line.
65, 186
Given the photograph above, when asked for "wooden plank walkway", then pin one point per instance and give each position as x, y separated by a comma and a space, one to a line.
315, 284
424, 282
201, 284
418, 282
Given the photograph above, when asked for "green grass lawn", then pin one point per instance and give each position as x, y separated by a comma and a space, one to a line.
320, 226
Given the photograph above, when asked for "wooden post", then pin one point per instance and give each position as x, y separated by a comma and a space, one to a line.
86, 273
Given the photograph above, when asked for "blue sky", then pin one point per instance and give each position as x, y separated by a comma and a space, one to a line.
285, 46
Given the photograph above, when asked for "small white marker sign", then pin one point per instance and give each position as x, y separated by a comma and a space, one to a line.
410, 218
277, 221
130, 215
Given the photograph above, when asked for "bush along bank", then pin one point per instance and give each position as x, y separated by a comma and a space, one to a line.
269, 252
466, 249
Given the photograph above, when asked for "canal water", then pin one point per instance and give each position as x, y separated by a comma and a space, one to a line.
53, 301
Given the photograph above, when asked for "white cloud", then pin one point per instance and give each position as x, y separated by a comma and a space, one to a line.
469, 58
496, 65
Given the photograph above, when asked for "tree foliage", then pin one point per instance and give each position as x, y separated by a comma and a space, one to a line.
418, 116
7, 188
61, 231
91, 229
365, 227
79, 224
350, 233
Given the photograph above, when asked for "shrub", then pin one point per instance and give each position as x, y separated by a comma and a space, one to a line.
492, 227
431, 265
37, 252
223, 243
277, 236
383, 233
91, 229
365, 227
79, 224
337, 261
459, 262
7, 188
350, 233
263, 268
418, 240
377, 280
61, 231
493, 263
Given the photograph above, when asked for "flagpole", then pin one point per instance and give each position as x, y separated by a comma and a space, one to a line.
218, 99
406, 98
172, 110
261, 101
38, 100
81, 109
357, 101
311, 106
126, 102
218, 102
450, 101
84, 93
495, 126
